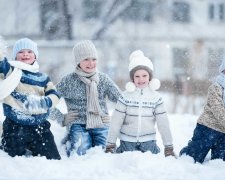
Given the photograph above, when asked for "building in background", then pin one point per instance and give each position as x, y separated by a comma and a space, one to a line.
184, 39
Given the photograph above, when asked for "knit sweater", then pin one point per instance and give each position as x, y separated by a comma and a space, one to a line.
74, 92
213, 115
135, 116
37, 84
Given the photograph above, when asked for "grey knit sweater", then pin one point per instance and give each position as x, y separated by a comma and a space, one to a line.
74, 92
136, 115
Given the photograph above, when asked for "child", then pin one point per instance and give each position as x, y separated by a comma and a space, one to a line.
209, 133
136, 113
85, 92
27, 96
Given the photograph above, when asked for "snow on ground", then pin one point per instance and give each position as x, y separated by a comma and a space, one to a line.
97, 165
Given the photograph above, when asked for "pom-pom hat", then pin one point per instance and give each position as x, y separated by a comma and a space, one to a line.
137, 58
139, 61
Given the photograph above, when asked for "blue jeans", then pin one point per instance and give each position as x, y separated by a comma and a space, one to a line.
138, 146
205, 139
81, 139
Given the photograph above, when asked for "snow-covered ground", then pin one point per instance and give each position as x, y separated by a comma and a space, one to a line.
97, 165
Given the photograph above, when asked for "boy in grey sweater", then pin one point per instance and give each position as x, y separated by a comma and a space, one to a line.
85, 92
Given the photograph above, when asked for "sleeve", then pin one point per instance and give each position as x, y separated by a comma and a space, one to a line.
51, 94
113, 91
38, 104
56, 115
163, 123
117, 120
216, 103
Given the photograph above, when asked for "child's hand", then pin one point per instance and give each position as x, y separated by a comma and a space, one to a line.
110, 148
105, 119
168, 151
70, 117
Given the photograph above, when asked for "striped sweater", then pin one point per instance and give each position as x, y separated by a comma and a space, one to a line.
37, 84
135, 116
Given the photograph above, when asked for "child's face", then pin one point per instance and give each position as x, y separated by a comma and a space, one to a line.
141, 78
25, 55
88, 65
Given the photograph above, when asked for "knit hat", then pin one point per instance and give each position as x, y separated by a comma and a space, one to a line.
137, 58
139, 61
222, 66
84, 49
25, 43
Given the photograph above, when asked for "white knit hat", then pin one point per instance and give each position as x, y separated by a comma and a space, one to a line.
84, 49
138, 59
25, 43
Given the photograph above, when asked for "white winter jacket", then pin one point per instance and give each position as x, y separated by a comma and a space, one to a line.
136, 115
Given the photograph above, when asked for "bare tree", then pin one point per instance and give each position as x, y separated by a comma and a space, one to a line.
116, 10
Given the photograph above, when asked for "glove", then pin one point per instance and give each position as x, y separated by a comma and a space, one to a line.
110, 148
105, 119
168, 151
70, 117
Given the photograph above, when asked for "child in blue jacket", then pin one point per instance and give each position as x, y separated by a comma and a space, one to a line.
27, 95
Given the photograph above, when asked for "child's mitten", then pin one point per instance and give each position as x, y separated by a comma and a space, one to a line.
110, 148
70, 117
168, 151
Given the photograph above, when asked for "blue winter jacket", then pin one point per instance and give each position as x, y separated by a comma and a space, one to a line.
36, 84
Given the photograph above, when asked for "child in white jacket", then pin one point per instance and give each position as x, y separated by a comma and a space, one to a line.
136, 113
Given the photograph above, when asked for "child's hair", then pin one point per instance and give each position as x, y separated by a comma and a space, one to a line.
139, 68
25, 43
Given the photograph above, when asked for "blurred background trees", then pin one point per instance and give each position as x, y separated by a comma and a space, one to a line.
184, 39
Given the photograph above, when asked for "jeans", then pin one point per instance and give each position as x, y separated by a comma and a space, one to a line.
205, 139
81, 139
138, 146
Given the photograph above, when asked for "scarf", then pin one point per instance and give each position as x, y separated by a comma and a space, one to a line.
221, 80
93, 108
9, 84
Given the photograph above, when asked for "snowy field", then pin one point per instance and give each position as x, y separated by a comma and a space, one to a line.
96, 165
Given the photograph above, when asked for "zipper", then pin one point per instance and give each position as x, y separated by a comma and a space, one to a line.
139, 116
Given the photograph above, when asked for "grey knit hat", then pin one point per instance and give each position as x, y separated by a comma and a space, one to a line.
84, 49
